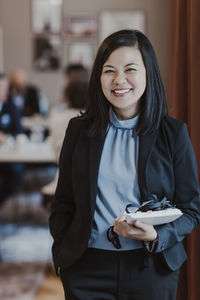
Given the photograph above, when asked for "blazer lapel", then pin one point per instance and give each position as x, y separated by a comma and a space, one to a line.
96, 147
146, 143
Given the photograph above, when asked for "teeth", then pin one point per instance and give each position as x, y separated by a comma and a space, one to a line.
121, 91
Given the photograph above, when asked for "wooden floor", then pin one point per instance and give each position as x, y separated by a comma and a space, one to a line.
51, 288
26, 209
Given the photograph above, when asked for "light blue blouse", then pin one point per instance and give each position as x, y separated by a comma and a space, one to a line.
117, 182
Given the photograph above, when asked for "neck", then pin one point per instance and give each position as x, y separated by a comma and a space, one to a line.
125, 114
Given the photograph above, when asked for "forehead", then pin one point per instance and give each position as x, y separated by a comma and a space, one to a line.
125, 55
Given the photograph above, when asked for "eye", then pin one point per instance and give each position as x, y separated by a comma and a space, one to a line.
108, 71
130, 70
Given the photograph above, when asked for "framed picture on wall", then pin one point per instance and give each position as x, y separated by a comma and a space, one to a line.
46, 16
81, 26
111, 21
47, 52
79, 52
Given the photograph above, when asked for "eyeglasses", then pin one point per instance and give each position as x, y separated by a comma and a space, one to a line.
113, 237
152, 203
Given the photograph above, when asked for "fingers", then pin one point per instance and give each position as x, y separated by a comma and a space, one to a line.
150, 234
142, 226
139, 230
120, 219
122, 228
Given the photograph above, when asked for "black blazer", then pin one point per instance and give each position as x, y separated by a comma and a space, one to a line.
10, 119
166, 166
31, 101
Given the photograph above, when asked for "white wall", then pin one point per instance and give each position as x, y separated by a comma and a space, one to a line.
15, 19
1, 51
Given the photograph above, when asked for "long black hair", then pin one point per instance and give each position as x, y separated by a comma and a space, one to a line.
153, 104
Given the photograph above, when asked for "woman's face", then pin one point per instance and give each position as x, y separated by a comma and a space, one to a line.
123, 81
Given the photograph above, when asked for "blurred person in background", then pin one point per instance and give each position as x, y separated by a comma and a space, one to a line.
26, 96
10, 125
9, 113
75, 98
71, 71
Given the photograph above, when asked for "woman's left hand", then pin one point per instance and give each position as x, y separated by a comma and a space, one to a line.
139, 230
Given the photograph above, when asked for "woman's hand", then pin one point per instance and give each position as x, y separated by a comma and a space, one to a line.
139, 230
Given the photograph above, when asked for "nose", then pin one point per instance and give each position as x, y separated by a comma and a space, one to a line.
119, 78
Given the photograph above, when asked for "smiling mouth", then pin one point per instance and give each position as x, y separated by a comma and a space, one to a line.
120, 92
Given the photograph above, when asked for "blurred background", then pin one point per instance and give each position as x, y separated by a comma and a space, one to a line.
26, 27
47, 48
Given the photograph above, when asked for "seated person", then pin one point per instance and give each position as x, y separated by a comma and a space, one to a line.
72, 71
10, 124
75, 98
25, 96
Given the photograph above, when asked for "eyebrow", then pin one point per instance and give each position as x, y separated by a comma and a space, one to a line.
109, 66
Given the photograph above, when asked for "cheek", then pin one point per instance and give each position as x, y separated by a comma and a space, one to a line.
104, 84
140, 81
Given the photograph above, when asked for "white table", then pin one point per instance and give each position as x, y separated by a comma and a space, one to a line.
28, 152
35, 121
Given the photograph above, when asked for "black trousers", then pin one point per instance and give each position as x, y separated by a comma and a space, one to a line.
113, 275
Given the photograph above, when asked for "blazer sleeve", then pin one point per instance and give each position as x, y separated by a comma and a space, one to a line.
186, 193
63, 207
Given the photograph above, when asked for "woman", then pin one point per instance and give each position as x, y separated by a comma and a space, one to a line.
121, 151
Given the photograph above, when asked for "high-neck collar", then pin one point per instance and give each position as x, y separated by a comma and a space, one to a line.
125, 124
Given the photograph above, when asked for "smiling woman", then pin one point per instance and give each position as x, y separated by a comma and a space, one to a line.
124, 149
123, 81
